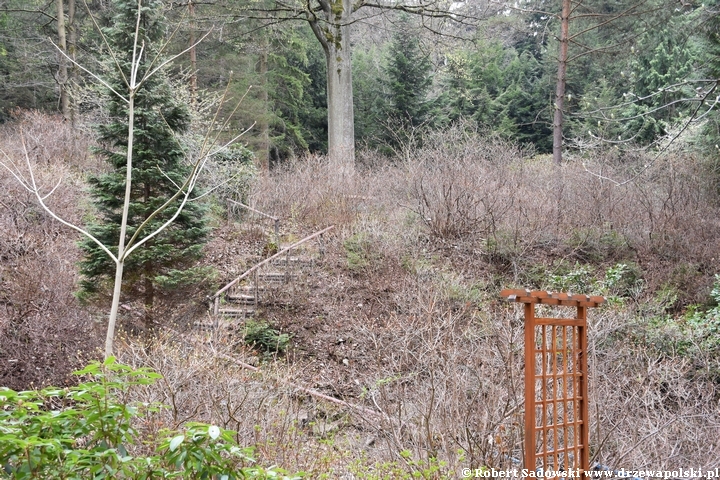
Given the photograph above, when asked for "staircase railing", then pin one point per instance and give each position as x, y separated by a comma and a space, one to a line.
285, 251
276, 220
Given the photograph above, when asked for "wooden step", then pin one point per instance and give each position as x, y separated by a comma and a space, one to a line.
235, 312
276, 277
241, 298
247, 288
292, 261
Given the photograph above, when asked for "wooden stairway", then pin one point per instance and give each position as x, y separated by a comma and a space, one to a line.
240, 299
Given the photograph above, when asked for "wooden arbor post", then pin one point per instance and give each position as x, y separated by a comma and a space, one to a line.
556, 383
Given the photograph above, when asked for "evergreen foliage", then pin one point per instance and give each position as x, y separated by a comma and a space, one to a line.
159, 168
287, 91
313, 114
24, 60
623, 59
501, 90
370, 94
710, 55
408, 77
665, 60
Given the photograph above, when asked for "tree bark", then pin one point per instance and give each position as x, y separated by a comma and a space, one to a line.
63, 69
333, 33
561, 78
193, 54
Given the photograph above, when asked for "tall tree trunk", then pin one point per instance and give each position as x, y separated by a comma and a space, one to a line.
561, 78
193, 54
334, 35
263, 121
63, 70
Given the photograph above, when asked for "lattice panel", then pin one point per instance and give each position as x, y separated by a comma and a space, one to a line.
556, 384
559, 400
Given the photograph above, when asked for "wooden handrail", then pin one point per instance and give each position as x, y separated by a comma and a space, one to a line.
276, 220
269, 259
254, 210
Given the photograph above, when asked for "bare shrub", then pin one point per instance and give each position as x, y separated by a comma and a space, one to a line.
450, 382
446, 360
309, 192
650, 409
286, 427
410, 328
457, 179
665, 217
45, 334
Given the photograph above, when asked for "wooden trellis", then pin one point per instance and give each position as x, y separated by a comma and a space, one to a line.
556, 382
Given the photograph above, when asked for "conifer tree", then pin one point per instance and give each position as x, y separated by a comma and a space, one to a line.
408, 76
710, 138
158, 171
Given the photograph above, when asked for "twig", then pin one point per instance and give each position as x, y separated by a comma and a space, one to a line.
310, 391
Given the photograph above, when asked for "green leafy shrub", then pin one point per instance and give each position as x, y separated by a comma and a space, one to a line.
361, 253
260, 334
576, 279
594, 245
706, 325
620, 280
692, 335
89, 431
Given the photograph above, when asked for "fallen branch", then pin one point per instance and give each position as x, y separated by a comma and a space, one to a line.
309, 391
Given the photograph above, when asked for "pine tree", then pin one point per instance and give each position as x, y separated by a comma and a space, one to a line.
159, 168
666, 59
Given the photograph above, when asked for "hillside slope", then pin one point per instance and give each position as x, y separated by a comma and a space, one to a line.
401, 314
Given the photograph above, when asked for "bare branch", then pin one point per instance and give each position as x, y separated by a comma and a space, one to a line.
102, 82
111, 52
173, 58
33, 188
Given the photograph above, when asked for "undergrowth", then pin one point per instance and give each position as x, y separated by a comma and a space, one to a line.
90, 431
402, 318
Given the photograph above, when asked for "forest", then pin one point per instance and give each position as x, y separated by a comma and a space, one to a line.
268, 239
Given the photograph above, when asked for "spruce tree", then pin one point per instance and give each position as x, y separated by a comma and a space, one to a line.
158, 170
409, 77
709, 140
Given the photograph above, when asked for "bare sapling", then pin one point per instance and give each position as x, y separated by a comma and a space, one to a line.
132, 85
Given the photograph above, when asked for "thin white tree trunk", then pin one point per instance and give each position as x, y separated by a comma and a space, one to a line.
112, 320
